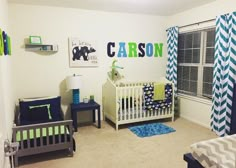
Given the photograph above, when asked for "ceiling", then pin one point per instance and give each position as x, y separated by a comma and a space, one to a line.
155, 7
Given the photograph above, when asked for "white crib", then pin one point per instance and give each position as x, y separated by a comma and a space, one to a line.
123, 103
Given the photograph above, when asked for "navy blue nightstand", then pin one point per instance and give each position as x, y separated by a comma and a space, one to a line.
76, 108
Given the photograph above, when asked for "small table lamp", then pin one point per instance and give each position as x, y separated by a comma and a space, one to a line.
75, 83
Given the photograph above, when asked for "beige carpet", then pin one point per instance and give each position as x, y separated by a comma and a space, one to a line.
107, 148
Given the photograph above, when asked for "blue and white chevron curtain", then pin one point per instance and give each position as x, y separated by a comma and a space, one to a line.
172, 48
224, 75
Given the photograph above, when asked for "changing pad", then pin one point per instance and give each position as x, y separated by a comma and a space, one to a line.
216, 153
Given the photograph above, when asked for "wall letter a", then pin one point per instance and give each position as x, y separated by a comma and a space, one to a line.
122, 51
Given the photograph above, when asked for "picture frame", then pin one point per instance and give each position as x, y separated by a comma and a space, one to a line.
82, 53
35, 40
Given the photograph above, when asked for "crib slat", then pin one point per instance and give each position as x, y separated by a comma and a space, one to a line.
53, 135
65, 133
129, 101
123, 111
140, 101
149, 112
59, 133
47, 135
137, 103
121, 103
28, 138
70, 131
41, 136
154, 113
21, 139
35, 142
118, 112
125, 103
133, 98
134, 114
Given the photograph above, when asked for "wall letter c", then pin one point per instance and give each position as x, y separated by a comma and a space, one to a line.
109, 45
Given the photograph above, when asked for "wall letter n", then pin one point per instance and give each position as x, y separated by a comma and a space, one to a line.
158, 49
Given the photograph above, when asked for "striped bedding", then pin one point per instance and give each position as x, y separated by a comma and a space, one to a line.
216, 153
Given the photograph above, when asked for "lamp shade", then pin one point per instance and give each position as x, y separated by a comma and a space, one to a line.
74, 82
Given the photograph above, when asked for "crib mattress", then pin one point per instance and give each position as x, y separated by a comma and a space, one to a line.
216, 153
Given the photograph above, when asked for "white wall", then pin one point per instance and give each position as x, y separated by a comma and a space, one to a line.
3, 26
195, 110
6, 103
39, 75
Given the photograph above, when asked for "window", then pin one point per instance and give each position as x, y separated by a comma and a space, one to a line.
195, 63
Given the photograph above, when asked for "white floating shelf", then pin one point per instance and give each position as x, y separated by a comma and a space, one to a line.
41, 47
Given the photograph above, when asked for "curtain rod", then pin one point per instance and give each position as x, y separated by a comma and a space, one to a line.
196, 23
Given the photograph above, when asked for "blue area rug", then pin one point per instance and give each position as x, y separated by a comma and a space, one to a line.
148, 130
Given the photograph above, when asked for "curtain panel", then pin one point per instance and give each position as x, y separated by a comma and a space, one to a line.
224, 73
172, 49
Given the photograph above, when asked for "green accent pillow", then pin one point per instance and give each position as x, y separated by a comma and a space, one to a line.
43, 105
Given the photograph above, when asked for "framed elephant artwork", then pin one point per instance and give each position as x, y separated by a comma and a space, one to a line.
82, 53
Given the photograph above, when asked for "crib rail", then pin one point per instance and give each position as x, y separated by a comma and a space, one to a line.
132, 95
133, 84
128, 106
130, 101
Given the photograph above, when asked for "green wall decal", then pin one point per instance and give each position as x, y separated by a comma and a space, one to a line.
1, 43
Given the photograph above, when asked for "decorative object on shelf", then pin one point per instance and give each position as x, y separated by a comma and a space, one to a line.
85, 100
4, 36
75, 83
35, 40
9, 45
41, 47
82, 53
5, 43
1, 43
91, 98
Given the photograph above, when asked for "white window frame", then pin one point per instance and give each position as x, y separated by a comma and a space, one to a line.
200, 65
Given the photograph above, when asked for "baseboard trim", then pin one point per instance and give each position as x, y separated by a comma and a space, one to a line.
195, 121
